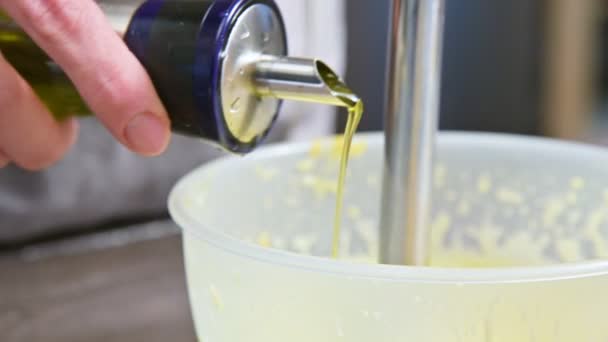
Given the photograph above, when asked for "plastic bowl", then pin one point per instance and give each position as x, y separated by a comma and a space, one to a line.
519, 233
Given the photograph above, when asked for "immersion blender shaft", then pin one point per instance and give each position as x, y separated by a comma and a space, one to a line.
411, 123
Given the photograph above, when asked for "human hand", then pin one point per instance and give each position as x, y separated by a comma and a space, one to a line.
77, 36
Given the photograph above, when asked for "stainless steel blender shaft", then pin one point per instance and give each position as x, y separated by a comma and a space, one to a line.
411, 123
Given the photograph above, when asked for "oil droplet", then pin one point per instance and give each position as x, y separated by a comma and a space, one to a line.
317, 148
484, 184
264, 239
306, 165
577, 183
358, 149
509, 196
304, 244
266, 37
245, 35
569, 250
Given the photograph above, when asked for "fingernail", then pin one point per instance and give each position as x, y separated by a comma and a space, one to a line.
147, 134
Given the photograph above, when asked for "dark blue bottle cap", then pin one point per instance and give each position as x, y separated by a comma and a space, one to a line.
201, 57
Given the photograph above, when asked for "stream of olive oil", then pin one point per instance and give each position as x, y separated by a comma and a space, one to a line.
355, 111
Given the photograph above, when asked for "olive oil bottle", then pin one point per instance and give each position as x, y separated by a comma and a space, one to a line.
191, 49
194, 52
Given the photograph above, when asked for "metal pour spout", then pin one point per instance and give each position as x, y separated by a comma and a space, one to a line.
411, 124
300, 79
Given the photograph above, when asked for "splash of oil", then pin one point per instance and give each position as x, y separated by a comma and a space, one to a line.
354, 106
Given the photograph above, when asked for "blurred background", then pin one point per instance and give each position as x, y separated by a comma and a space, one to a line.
520, 66
535, 67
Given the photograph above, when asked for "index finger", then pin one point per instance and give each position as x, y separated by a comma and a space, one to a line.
78, 37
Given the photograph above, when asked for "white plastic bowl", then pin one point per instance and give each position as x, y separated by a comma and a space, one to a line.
533, 212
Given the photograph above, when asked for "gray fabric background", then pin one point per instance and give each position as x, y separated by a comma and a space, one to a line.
98, 182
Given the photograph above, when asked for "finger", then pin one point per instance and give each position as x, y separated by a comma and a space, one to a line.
77, 36
3, 159
29, 136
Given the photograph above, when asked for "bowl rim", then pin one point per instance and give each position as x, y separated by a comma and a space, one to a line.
396, 273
